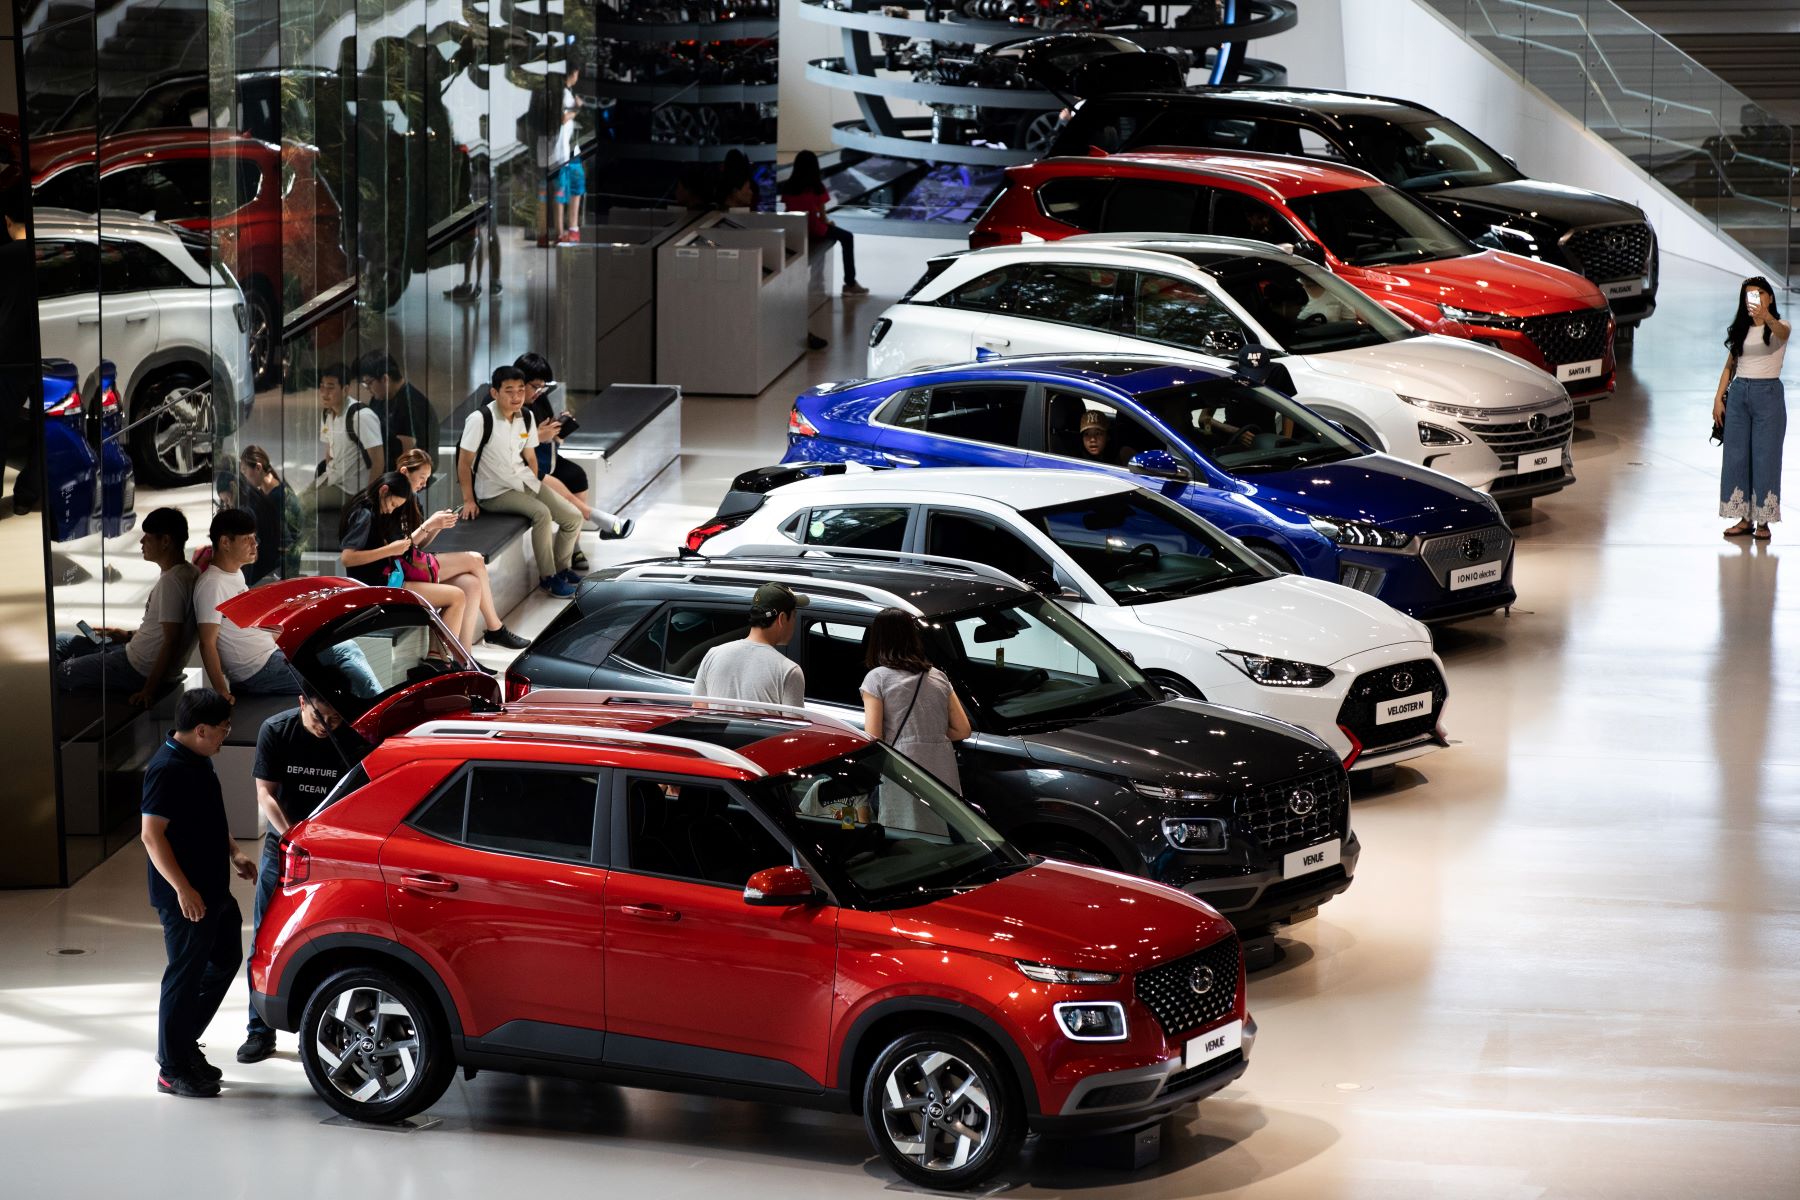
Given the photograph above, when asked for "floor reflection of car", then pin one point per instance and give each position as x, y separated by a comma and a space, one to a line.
461, 897
272, 216
173, 321
71, 468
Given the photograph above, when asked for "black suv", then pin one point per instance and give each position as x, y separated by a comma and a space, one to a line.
1463, 179
1075, 755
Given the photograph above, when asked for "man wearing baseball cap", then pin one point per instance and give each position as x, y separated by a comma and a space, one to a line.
755, 668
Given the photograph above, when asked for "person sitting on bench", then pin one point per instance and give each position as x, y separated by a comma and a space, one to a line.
141, 660
559, 474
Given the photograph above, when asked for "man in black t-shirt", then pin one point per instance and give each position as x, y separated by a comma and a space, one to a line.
300, 756
407, 418
192, 854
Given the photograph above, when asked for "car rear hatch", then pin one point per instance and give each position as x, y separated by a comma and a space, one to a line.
380, 656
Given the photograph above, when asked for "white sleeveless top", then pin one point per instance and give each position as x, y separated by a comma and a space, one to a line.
1760, 361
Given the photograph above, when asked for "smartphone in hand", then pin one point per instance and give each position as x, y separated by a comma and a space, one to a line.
88, 632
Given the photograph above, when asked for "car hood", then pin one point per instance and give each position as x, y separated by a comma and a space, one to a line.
1080, 917
1492, 281
1553, 204
1445, 369
1374, 487
1184, 744
1290, 616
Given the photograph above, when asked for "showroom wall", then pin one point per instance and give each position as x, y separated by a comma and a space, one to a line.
349, 178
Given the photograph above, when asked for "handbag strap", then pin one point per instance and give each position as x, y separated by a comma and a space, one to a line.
907, 715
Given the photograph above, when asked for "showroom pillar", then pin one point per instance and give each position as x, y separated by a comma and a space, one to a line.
30, 833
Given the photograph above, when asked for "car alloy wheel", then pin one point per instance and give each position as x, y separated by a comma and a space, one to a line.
940, 1111
372, 1048
175, 447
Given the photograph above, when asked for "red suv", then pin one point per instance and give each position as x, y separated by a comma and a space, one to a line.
733, 899
1377, 237
284, 240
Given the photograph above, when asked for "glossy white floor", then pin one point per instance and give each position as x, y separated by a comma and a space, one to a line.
1570, 965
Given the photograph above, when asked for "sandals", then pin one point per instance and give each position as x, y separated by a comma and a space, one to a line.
1761, 534
1741, 529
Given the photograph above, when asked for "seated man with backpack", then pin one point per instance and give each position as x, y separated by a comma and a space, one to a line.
497, 470
354, 451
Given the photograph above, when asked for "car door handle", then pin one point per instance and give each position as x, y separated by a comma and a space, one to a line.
427, 883
136, 320
996, 343
87, 320
651, 912
900, 460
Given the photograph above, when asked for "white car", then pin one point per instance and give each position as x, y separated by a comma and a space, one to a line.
1199, 613
1479, 415
146, 296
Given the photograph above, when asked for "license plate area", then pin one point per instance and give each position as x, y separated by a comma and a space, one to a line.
1568, 372
1548, 460
1405, 708
1321, 857
1215, 1043
1476, 576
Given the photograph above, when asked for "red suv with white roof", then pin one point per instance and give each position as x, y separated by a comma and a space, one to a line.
710, 897
1376, 237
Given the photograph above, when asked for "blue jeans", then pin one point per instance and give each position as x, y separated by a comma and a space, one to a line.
84, 666
268, 877
1750, 475
273, 678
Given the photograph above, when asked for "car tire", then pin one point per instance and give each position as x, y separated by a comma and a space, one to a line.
177, 447
374, 1046
1275, 558
1174, 686
264, 335
976, 1134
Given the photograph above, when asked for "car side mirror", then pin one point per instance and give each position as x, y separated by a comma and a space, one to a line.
776, 887
1308, 249
1159, 464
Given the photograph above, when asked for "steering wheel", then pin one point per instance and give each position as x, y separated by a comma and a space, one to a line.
1317, 318
1137, 561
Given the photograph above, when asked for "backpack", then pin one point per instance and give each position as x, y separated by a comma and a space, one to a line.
350, 414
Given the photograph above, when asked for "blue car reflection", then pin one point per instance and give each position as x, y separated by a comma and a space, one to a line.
118, 483
71, 468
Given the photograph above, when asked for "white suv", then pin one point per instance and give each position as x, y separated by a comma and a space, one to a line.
1198, 612
146, 296
1480, 415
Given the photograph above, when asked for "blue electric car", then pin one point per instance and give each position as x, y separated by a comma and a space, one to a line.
71, 468
1296, 488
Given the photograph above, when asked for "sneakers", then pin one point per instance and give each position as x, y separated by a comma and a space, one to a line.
622, 531
578, 563
853, 288
464, 292
256, 1047
597, 523
569, 577
502, 637
205, 1072
175, 1084
571, 236
558, 585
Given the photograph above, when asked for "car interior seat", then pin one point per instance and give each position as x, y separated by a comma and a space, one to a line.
1063, 423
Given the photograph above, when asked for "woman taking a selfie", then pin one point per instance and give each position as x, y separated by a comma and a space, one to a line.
462, 569
1751, 407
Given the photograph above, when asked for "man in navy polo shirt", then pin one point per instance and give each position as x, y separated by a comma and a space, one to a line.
192, 854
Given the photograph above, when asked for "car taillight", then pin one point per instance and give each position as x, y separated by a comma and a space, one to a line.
68, 406
296, 864
697, 536
1355, 748
517, 686
109, 399
798, 425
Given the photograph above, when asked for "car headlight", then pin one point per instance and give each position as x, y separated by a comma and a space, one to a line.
1473, 316
1098, 1021
1362, 534
1041, 973
1277, 672
1151, 791
1194, 833
1437, 435
1460, 411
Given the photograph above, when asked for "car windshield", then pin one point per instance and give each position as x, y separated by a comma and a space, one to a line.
1372, 226
1249, 430
883, 830
1306, 309
1425, 154
1031, 665
1142, 549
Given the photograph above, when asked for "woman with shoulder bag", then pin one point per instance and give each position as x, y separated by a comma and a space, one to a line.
910, 705
378, 543
462, 569
1752, 409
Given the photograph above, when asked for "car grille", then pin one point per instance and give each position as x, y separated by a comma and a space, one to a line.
1267, 818
1509, 439
1182, 1080
1168, 990
1371, 688
1568, 337
1491, 543
1608, 252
